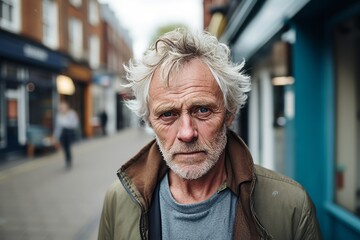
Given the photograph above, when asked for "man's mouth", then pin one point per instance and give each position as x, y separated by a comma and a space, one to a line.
189, 154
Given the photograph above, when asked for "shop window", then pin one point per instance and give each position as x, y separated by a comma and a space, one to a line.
93, 12
50, 24
40, 107
347, 165
76, 38
10, 15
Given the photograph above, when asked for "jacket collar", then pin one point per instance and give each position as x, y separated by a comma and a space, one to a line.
239, 163
143, 172
241, 180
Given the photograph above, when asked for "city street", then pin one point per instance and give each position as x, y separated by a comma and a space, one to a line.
41, 199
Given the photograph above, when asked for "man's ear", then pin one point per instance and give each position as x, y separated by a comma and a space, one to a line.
229, 118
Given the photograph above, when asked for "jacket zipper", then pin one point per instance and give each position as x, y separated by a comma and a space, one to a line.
137, 201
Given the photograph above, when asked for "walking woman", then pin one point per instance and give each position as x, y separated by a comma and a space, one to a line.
66, 125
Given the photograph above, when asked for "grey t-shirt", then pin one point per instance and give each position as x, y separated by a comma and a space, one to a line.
210, 219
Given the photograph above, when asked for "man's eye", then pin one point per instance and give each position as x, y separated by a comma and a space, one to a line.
167, 114
168, 117
203, 110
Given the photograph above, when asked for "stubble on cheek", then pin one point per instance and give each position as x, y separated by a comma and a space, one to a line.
193, 168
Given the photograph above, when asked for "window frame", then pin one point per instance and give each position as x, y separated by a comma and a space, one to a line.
94, 51
76, 37
50, 24
93, 13
14, 24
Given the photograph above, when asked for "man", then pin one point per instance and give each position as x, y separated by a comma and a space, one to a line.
103, 121
197, 180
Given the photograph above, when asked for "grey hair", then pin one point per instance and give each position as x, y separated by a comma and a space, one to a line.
171, 52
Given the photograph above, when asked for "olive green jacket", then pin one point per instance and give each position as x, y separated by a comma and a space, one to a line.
270, 206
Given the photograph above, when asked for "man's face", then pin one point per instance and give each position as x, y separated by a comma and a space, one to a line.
189, 119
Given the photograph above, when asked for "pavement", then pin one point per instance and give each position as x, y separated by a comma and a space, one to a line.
41, 199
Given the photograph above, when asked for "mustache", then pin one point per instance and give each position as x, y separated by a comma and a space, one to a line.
187, 148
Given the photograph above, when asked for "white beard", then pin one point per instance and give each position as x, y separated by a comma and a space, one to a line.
213, 151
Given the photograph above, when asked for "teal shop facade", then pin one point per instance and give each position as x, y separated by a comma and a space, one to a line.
303, 116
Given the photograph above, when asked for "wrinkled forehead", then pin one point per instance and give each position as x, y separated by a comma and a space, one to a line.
192, 76
172, 73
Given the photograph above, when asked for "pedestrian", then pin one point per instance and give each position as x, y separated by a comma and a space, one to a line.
197, 179
66, 126
103, 121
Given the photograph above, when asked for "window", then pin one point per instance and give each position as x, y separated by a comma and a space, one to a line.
93, 13
347, 55
75, 38
112, 61
10, 15
76, 3
39, 97
50, 24
7, 10
94, 52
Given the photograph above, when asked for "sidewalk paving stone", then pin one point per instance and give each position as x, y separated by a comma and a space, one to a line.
40, 199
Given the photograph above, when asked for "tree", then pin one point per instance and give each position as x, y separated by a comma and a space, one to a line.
164, 29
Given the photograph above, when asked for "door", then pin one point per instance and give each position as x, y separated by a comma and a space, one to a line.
15, 117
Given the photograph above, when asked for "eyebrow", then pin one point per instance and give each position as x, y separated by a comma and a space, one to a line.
171, 106
164, 108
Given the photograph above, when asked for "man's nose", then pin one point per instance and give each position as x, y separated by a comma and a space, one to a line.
187, 130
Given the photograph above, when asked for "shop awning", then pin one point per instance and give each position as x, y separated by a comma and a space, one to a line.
24, 50
268, 21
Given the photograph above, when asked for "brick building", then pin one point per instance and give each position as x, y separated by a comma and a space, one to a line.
40, 41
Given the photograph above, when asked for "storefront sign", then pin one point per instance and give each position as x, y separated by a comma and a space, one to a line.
35, 53
23, 50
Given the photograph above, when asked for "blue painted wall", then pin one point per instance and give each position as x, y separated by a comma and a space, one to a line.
309, 116
311, 135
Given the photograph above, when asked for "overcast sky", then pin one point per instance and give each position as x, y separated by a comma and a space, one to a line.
143, 17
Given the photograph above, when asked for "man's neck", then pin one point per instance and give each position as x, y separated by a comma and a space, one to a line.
192, 191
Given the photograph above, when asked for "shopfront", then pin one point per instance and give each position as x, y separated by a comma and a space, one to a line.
304, 122
27, 91
81, 100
